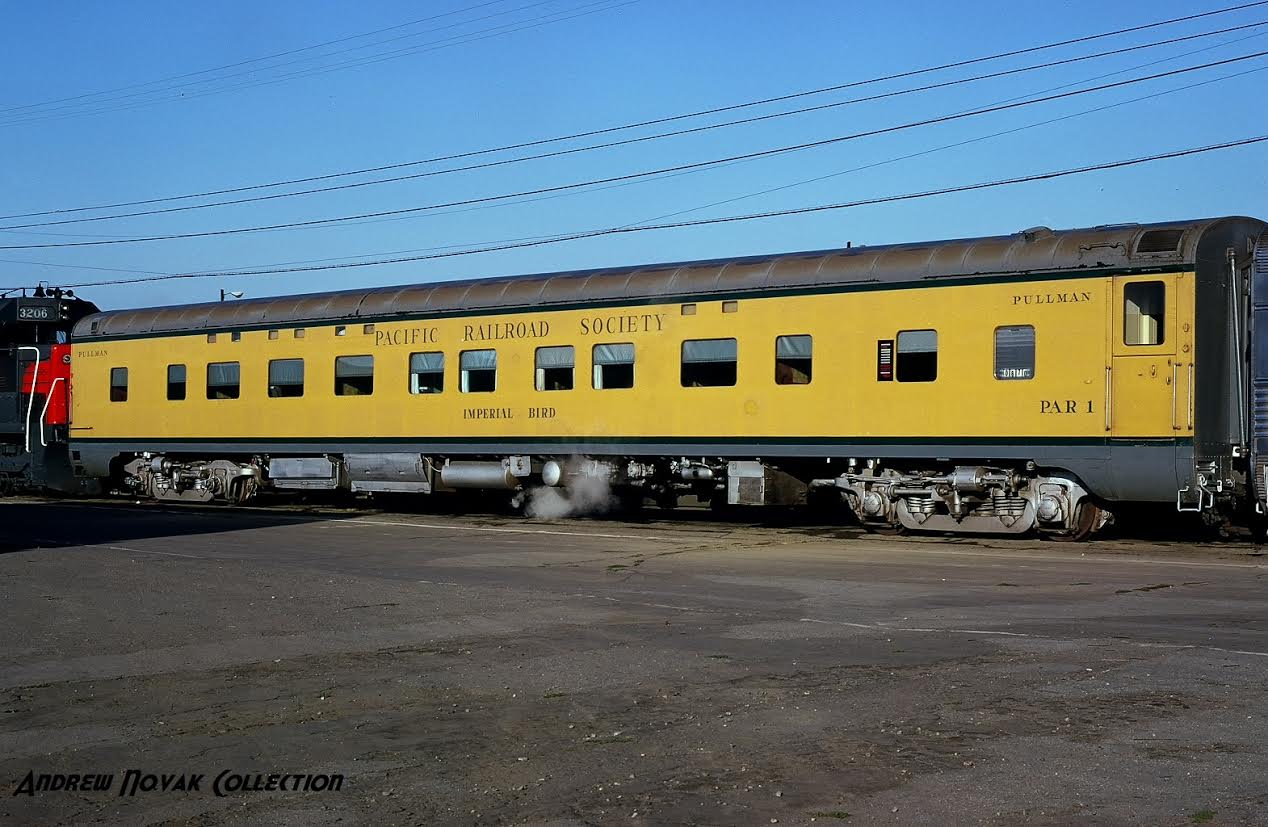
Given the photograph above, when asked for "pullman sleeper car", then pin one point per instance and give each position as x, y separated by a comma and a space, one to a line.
1029, 382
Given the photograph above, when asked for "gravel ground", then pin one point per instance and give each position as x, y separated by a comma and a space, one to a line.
487, 670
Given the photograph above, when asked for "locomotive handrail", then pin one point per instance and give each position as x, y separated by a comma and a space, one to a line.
1175, 395
48, 400
1238, 358
1190, 396
1109, 397
30, 405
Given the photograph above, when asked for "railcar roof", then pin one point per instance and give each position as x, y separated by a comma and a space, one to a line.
1035, 251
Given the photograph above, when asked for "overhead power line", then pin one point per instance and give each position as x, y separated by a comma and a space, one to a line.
699, 207
943, 147
261, 59
886, 199
82, 267
639, 139
647, 173
653, 121
557, 16
731, 200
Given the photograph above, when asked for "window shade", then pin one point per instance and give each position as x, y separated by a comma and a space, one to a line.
709, 350
555, 357
286, 372
346, 366
426, 362
614, 354
479, 359
793, 347
223, 373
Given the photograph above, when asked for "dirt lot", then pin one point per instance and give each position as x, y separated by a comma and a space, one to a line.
488, 670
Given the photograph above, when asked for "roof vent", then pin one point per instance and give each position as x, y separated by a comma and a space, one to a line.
1160, 241
1036, 233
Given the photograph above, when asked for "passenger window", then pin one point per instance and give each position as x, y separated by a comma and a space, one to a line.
354, 375
224, 380
286, 378
118, 384
613, 366
917, 356
176, 382
792, 360
1015, 352
1143, 312
555, 368
426, 372
708, 363
479, 371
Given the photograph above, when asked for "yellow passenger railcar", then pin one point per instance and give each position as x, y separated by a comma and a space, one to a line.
999, 384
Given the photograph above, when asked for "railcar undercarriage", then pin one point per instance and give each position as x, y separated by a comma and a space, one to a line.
192, 480
980, 499
974, 499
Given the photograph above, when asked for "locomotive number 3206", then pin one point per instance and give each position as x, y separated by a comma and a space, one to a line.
38, 314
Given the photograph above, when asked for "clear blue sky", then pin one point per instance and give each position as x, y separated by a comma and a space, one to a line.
647, 59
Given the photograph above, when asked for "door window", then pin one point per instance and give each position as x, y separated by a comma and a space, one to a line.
1144, 310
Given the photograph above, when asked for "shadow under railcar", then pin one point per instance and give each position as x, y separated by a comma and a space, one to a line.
30, 524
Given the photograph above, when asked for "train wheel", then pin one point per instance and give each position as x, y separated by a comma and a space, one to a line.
1087, 520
